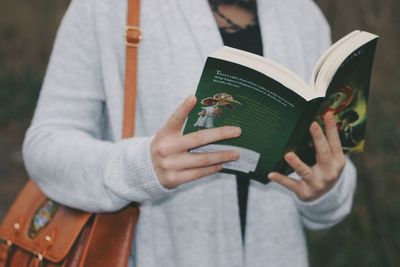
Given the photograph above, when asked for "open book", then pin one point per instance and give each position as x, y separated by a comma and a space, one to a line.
274, 107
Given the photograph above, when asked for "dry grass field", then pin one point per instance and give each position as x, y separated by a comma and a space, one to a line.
369, 237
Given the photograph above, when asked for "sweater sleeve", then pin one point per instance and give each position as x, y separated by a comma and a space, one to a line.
333, 206
63, 151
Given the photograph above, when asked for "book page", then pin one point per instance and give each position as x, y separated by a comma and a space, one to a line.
328, 53
338, 53
268, 67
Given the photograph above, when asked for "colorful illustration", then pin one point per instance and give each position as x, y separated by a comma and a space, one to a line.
348, 106
338, 102
213, 108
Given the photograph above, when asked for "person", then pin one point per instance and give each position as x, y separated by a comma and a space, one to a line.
208, 113
212, 108
189, 210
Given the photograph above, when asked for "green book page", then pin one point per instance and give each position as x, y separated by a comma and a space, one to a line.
347, 98
265, 110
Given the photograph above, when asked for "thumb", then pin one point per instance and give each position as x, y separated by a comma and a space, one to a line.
285, 181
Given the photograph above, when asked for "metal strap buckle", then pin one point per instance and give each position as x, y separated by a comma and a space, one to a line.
133, 36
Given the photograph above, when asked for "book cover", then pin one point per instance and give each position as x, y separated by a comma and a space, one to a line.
265, 110
275, 108
347, 98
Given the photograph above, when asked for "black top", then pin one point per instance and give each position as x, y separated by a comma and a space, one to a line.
248, 39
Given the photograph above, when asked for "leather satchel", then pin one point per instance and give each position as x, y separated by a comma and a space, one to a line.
38, 232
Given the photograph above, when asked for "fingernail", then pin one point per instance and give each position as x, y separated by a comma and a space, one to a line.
237, 131
235, 155
329, 115
289, 155
191, 98
314, 126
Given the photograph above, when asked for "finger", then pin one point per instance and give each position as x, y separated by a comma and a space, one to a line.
189, 175
302, 169
207, 136
332, 134
323, 152
285, 181
197, 160
177, 119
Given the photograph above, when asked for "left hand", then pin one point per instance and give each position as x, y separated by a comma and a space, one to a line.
320, 178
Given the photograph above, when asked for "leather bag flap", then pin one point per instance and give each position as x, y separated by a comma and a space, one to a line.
41, 226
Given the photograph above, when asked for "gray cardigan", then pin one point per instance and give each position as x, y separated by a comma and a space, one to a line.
73, 147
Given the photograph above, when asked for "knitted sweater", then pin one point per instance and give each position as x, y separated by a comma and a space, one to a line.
74, 152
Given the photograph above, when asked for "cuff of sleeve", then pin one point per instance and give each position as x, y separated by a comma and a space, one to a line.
130, 174
334, 198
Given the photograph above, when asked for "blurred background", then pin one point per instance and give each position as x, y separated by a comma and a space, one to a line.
370, 236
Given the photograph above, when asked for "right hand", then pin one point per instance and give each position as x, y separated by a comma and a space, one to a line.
172, 162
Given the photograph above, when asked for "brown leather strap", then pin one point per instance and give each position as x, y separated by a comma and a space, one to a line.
133, 37
118, 229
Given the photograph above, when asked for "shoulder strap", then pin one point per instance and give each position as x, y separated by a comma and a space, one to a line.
113, 232
133, 36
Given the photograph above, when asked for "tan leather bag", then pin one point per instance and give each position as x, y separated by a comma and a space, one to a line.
39, 232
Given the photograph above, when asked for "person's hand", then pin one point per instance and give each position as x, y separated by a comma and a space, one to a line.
172, 162
320, 178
